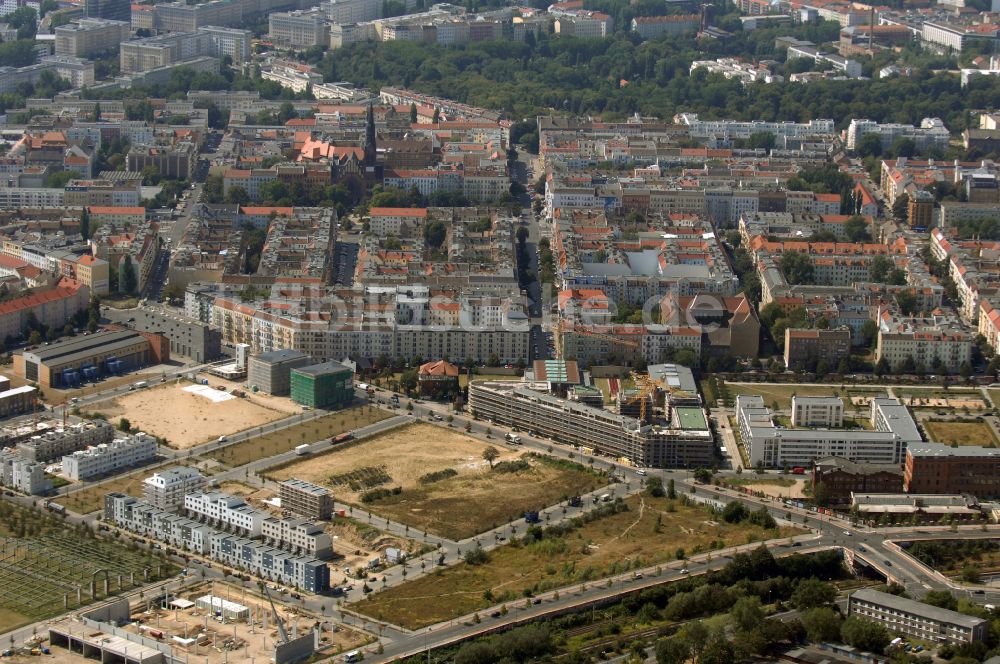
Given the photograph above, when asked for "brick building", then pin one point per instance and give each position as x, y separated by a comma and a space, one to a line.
841, 477
937, 468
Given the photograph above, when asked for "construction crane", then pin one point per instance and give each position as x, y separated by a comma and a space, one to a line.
609, 338
277, 618
647, 387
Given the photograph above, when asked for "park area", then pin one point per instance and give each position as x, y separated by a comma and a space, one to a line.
960, 433
187, 418
280, 441
43, 563
446, 487
649, 532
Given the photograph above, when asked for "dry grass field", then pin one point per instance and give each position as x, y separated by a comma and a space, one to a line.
960, 433
474, 499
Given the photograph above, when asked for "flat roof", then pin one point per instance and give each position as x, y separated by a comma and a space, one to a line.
818, 401
916, 608
941, 450
323, 368
279, 356
692, 418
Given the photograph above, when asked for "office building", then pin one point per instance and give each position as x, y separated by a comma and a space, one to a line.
306, 499
167, 488
817, 412
271, 372
935, 468
109, 458
326, 385
188, 337
115, 10
771, 445
915, 619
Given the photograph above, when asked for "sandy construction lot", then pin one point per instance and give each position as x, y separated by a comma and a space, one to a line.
406, 453
185, 419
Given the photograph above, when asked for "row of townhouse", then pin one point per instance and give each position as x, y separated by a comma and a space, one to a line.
258, 558
235, 514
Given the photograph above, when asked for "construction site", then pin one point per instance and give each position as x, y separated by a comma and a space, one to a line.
212, 622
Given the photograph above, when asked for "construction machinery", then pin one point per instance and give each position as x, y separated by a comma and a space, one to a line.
647, 387
608, 338
277, 618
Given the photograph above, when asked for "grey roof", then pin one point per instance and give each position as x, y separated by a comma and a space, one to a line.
82, 348
898, 418
940, 450
916, 608
674, 375
848, 466
306, 487
276, 356
811, 400
323, 368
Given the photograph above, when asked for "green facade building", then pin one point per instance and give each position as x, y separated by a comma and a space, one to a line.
326, 385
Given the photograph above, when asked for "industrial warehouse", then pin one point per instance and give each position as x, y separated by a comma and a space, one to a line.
88, 358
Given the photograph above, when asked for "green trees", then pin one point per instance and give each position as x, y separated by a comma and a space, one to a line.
85, 223
128, 278
822, 624
864, 634
797, 268
435, 233
813, 593
856, 229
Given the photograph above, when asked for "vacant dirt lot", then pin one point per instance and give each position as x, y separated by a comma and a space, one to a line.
960, 433
474, 499
183, 418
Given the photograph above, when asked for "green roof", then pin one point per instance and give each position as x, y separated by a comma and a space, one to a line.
692, 418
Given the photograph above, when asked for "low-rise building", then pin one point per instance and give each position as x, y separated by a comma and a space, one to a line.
223, 510
298, 535
835, 479
805, 345
109, 458
23, 474
916, 619
68, 363
57, 442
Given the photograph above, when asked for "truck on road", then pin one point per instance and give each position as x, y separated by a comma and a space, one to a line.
344, 437
302, 450
141, 384
511, 438
54, 507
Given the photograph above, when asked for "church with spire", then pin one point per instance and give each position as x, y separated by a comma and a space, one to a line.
372, 170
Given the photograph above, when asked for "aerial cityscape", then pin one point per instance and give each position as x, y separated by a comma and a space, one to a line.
657, 331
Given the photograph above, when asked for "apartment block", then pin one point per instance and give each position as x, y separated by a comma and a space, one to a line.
91, 36
653, 27
659, 446
772, 446
928, 342
22, 474
299, 29
934, 468
915, 619
167, 488
931, 134
802, 345
817, 412
58, 442
109, 458
306, 499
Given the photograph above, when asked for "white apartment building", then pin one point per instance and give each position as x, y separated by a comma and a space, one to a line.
225, 510
914, 619
930, 134
22, 474
773, 446
817, 412
166, 489
30, 197
343, 12
56, 443
108, 458
299, 29
298, 535
740, 129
